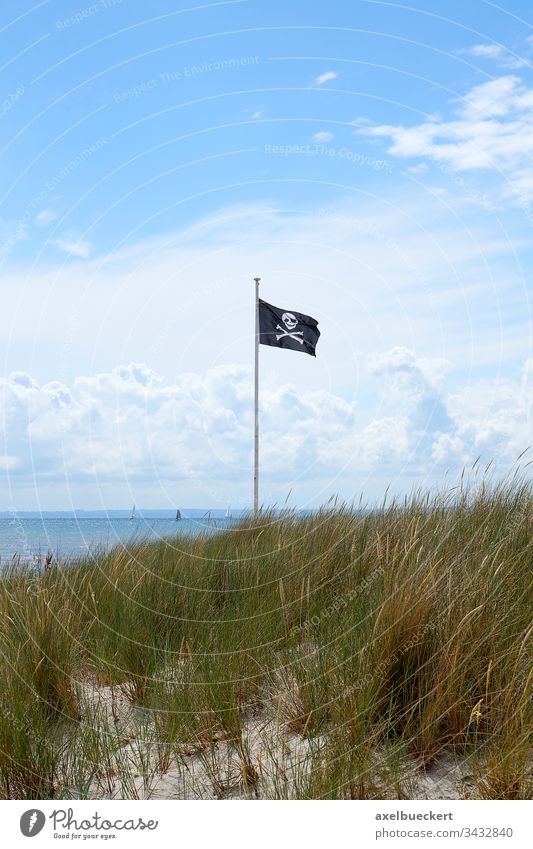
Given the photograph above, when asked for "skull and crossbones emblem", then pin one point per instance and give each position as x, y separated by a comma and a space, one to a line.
290, 321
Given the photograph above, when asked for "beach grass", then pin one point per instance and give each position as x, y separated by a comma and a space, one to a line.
364, 647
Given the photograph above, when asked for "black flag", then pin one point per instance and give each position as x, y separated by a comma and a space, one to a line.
284, 329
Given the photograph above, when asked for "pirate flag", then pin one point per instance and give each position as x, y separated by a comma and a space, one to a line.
283, 329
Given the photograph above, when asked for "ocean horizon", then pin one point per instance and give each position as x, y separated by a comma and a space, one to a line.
31, 536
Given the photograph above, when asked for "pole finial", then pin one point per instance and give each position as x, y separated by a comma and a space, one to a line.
257, 279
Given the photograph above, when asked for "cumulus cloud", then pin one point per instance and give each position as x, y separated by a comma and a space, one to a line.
497, 53
132, 425
378, 278
326, 77
489, 51
132, 422
428, 430
323, 136
492, 130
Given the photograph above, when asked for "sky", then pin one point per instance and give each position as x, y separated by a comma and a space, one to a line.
371, 161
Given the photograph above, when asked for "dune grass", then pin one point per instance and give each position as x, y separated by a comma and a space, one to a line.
380, 639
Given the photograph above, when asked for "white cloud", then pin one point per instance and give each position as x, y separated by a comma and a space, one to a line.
492, 130
45, 216
323, 136
76, 247
495, 99
377, 277
131, 426
498, 53
374, 273
326, 77
489, 51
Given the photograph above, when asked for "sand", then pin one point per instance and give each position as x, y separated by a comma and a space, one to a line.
269, 762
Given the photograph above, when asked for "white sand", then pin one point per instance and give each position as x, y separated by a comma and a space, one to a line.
269, 757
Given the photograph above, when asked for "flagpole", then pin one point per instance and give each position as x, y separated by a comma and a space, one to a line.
256, 400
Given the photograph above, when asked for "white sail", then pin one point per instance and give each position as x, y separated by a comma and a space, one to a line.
228, 513
133, 512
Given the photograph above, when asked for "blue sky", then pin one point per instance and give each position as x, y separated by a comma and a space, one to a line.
372, 161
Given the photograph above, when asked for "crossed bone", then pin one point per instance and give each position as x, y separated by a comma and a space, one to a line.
293, 335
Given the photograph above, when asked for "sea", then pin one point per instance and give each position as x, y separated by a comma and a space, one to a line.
31, 537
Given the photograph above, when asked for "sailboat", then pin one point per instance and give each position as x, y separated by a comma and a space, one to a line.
228, 513
178, 515
132, 516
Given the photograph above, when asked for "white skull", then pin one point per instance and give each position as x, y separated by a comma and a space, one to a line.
289, 320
